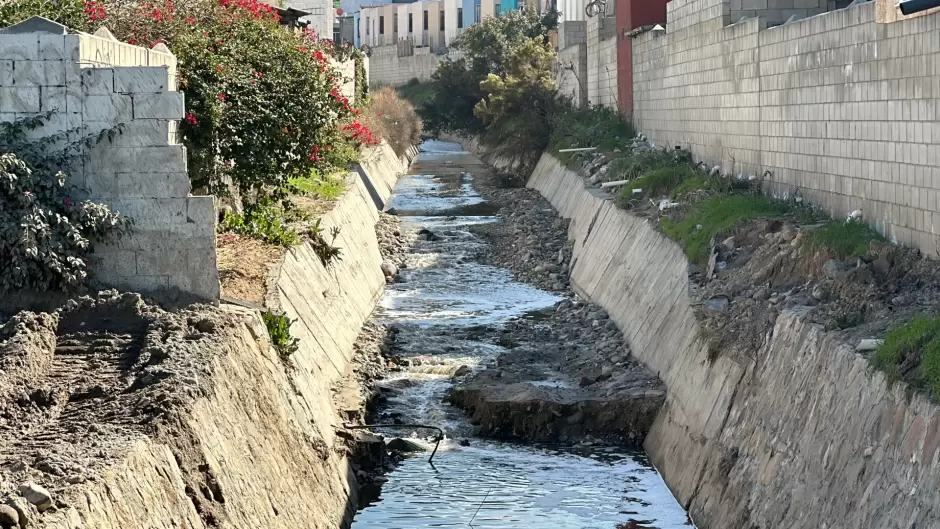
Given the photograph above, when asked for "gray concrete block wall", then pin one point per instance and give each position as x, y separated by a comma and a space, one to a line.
386, 68
601, 63
94, 84
837, 106
571, 73
699, 88
571, 33
777, 11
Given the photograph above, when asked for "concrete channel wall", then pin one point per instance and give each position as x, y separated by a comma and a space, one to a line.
803, 435
266, 432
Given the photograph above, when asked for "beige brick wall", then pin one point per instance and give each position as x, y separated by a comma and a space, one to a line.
571, 73
94, 84
386, 68
601, 62
838, 106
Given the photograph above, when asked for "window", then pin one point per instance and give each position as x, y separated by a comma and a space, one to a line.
395, 24
382, 25
476, 12
441, 27
459, 17
411, 26
496, 9
425, 20
367, 25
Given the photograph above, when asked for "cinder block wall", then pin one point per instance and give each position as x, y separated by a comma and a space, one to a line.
347, 72
601, 61
840, 107
94, 84
571, 73
572, 33
386, 68
776, 11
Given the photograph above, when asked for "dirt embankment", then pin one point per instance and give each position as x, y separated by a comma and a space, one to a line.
79, 387
568, 374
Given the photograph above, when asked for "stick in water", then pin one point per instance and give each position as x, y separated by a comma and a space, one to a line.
480, 506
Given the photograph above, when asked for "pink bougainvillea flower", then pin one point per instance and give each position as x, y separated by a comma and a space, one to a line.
191, 119
221, 97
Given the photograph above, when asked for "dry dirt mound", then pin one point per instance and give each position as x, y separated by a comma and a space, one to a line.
79, 386
768, 266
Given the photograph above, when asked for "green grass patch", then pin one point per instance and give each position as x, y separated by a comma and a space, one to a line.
261, 221
917, 342
416, 92
715, 215
661, 181
847, 239
596, 126
328, 187
632, 164
689, 185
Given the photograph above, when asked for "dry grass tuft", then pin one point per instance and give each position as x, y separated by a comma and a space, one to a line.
243, 266
394, 119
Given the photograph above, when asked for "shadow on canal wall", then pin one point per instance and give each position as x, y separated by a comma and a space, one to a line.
804, 434
257, 446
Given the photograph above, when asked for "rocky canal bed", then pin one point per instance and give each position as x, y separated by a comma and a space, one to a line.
481, 320
567, 375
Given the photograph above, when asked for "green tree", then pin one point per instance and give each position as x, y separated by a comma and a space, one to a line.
518, 108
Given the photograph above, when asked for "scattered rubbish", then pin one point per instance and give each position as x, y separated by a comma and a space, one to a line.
667, 204
721, 265
580, 149
868, 344
615, 183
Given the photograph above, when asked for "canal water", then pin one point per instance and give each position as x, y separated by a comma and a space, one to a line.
446, 302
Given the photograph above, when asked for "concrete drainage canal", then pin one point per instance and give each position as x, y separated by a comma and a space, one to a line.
450, 313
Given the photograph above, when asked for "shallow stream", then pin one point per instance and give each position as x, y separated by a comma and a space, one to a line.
445, 303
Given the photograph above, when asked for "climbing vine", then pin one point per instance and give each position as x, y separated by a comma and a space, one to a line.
48, 233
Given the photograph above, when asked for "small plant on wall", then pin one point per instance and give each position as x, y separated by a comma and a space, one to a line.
279, 331
47, 233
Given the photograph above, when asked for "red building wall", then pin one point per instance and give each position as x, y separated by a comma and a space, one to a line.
629, 15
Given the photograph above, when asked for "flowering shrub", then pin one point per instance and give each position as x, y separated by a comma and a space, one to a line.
262, 102
361, 135
46, 234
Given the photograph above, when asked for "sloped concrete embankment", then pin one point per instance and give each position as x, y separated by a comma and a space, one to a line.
803, 434
256, 446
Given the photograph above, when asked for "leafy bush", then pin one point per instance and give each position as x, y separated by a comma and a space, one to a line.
47, 235
716, 215
76, 14
261, 220
416, 92
393, 119
278, 326
596, 126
